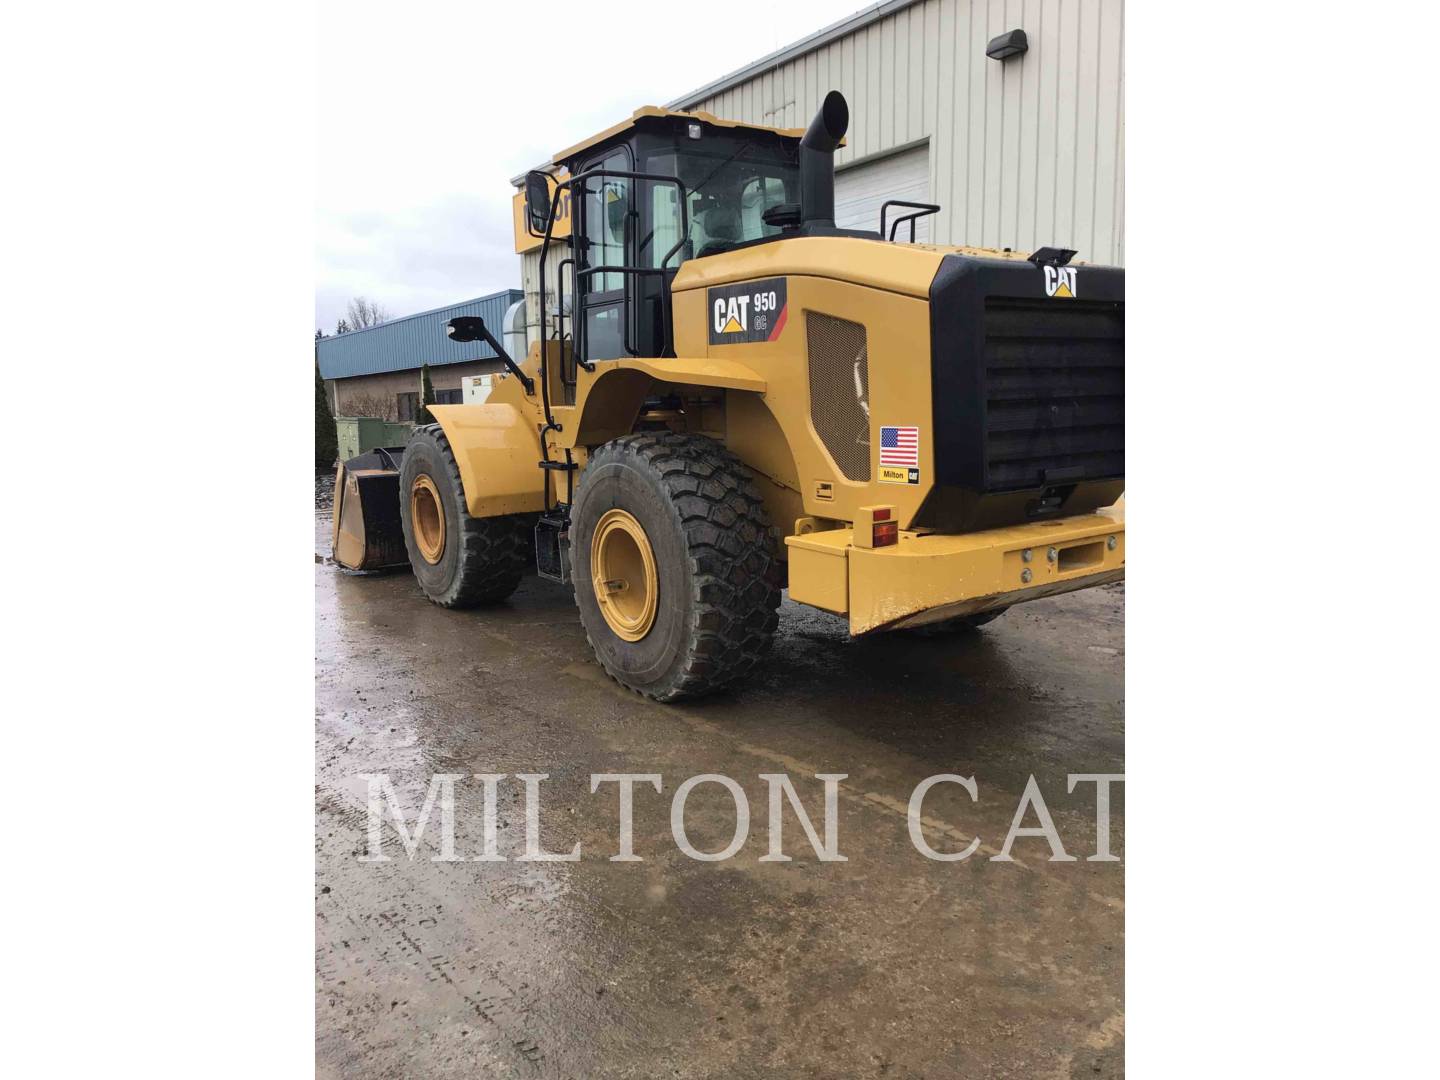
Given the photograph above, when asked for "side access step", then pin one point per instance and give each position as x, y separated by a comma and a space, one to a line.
552, 546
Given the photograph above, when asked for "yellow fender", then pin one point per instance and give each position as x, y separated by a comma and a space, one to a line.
609, 399
498, 449
693, 371
498, 452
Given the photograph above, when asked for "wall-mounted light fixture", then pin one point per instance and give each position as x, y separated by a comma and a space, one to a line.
1011, 43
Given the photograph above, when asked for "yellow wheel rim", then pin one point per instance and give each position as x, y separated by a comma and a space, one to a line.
427, 519
622, 571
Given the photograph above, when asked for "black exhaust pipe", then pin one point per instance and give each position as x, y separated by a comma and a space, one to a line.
817, 160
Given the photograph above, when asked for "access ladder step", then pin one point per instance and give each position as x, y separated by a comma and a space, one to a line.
552, 547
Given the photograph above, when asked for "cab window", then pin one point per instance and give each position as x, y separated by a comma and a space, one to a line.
609, 203
607, 206
729, 188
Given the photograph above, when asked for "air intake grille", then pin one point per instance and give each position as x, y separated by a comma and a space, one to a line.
1055, 392
840, 391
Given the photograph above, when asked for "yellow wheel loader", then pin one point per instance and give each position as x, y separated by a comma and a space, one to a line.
730, 395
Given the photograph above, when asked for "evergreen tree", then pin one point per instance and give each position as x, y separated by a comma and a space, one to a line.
327, 448
427, 398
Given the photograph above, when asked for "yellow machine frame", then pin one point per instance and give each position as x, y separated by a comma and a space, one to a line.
755, 399
879, 517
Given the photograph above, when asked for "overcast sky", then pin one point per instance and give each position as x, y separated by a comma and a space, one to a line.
428, 108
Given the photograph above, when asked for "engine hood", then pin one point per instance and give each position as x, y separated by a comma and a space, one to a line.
908, 269
900, 268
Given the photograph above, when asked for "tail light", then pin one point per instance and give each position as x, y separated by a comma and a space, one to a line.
877, 527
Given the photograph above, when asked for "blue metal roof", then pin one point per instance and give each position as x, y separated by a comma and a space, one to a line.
406, 343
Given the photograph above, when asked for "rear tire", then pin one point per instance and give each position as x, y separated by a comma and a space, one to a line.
459, 560
680, 515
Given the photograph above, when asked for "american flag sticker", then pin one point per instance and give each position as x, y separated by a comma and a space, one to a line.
900, 455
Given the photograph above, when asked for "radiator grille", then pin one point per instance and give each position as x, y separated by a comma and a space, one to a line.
1054, 392
839, 384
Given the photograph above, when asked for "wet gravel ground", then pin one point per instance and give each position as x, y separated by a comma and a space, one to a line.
886, 965
324, 490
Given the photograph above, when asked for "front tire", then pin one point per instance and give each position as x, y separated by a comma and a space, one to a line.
676, 574
459, 560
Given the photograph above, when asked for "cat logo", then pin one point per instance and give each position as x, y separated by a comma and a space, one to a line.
1060, 281
748, 311
730, 317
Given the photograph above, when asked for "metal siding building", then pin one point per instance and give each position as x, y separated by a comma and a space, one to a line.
375, 371
406, 343
1019, 153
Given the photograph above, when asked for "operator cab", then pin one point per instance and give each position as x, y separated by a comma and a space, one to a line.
658, 189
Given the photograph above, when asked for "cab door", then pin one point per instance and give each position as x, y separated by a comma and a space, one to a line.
607, 221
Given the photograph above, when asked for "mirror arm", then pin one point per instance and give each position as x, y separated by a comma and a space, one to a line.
472, 328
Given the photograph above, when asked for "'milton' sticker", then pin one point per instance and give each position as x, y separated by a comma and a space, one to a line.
1060, 281
900, 455
751, 311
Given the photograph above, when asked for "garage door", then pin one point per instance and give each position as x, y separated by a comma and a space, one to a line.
860, 191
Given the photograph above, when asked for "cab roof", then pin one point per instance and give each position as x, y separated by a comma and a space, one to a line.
647, 111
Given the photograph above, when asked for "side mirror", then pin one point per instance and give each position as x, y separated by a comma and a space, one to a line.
465, 328
537, 200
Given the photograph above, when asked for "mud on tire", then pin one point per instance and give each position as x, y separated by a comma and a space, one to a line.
483, 559
715, 560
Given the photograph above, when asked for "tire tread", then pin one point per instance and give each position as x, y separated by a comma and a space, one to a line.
493, 551
734, 570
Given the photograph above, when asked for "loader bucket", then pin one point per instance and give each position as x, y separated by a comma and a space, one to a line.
367, 532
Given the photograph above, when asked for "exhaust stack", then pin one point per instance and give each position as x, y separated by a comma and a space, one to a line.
817, 160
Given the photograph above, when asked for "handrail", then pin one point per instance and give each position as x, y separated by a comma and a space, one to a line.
577, 233
924, 209
578, 244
